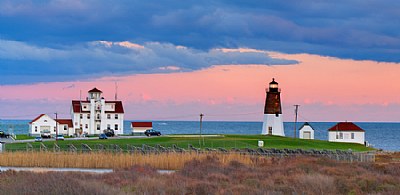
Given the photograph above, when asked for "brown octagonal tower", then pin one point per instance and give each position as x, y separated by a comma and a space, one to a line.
273, 123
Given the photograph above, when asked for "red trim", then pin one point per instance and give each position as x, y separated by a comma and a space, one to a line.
76, 107
37, 118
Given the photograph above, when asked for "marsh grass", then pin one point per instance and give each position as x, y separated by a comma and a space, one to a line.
212, 174
168, 161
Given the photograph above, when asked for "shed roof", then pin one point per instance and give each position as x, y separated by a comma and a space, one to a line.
142, 124
306, 124
65, 122
346, 126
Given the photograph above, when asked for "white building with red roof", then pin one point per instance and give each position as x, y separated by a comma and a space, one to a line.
346, 132
141, 127
95, 115
44, 125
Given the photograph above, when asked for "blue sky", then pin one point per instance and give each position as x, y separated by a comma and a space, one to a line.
57, 40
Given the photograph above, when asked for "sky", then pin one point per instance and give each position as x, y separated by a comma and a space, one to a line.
172, 60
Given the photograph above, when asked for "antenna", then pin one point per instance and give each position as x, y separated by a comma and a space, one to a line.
116, 91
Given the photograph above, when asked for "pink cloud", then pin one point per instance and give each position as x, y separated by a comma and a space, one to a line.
328, 89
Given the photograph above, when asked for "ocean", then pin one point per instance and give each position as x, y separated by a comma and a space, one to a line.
384, 136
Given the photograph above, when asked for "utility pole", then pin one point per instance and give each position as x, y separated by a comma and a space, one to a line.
295, 119
56, 125
201, 125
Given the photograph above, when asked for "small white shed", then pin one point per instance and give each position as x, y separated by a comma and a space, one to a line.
306, 131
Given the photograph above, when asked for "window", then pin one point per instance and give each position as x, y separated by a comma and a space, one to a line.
65, 127
76, 123
352, 135
116, 116
108, 126
54, 129
86, 126
81, 116
116, 127
340, 135
98, 116
108, 116
35, 128
98, 126
270, 130
88, 116
84, 107
45, 121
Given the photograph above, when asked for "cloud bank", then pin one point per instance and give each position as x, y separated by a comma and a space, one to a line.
22, 62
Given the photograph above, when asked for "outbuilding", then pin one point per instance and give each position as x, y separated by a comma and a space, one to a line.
306, 131
140, 127
346, 132
45, 126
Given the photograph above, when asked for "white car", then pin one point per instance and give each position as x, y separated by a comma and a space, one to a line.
38, 139
60, 137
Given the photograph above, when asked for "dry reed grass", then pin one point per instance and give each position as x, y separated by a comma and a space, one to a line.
168, 161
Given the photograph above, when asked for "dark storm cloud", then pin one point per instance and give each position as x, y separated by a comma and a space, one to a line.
56, 36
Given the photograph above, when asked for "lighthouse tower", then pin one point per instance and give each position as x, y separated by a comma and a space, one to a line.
273, 123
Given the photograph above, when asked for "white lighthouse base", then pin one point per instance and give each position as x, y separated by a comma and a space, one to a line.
273, 125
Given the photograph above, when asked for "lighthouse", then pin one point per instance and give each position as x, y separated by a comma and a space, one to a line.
273, 123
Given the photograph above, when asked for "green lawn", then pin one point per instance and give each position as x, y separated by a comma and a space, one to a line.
225, 141
24, 137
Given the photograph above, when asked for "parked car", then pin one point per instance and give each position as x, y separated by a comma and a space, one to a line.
103, 136
60, 137
150, 132
38, 139
4, 135
109, 133
46, 134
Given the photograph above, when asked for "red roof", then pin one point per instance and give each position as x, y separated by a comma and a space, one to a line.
65, 122
142, 124
95, 90
37, 118
76, 107
345, 126
118, 107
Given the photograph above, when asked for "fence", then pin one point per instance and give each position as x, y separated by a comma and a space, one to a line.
339, 155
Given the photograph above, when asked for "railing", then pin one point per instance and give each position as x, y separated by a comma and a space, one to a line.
339, 155
267, 90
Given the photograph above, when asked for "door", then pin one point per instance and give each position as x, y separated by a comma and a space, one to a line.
45, 129
307, 135
269, 130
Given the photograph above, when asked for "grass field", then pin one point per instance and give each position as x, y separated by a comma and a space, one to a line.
224, 141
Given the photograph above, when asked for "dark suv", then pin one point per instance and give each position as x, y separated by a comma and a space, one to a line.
4, 135
150, 132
